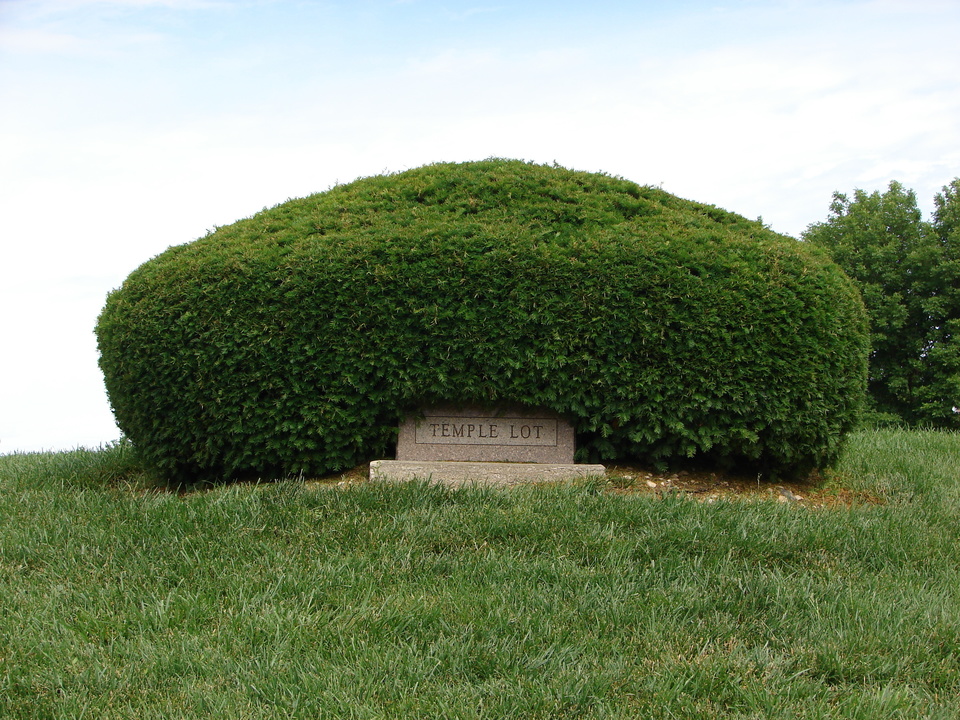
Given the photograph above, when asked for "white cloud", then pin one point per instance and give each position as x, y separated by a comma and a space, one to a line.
126, 130
470, 12
47, 8
40, 41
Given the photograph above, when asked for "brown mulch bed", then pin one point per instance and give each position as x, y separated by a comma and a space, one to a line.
817, 491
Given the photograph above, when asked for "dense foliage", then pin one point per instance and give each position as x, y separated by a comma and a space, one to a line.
295, 340
909, 273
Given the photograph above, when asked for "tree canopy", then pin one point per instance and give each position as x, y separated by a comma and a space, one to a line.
908, 270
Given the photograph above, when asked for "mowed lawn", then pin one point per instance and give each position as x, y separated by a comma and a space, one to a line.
285, 600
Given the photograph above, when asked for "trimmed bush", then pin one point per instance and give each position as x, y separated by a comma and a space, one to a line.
295, 340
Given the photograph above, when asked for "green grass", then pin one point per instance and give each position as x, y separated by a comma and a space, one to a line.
280, 601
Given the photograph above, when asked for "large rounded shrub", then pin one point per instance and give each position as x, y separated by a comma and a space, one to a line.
295, 340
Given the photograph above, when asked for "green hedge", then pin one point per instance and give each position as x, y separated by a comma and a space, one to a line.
295, 340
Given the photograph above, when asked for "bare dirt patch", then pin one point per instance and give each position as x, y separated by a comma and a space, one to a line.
817, 491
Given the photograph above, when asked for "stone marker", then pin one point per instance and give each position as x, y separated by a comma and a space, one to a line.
474, 434
502, 446
481, 473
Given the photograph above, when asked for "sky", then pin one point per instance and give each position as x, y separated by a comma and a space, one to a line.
128, 126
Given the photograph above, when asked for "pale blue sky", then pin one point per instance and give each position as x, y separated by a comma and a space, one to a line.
127, 126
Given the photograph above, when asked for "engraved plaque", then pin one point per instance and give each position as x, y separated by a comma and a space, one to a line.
471, 430
472, 434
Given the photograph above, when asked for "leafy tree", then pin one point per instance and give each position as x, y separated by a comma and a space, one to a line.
945, 307
909, 272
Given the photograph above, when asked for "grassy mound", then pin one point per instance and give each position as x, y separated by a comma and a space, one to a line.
278, 602
295, 340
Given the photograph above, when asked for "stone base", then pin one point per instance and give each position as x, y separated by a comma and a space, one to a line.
481, 473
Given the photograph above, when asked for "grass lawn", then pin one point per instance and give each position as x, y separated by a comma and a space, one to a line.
286, 601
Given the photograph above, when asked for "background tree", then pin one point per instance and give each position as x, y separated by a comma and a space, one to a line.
908, 271
945, 309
